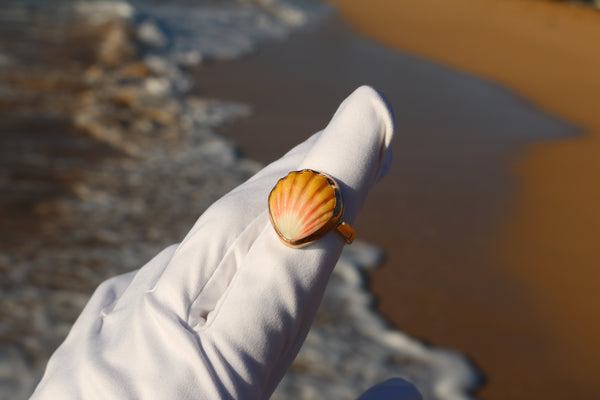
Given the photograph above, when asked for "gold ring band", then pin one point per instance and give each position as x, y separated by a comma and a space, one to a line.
346, 231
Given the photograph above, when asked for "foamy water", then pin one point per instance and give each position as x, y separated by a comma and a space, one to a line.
170, 166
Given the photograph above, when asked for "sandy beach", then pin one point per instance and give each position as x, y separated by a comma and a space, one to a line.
547, 53
488, 217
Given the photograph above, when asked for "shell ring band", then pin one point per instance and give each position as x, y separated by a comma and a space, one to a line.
305, 205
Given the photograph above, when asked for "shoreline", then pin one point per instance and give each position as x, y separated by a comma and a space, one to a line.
451, 189
460, 296
546, 52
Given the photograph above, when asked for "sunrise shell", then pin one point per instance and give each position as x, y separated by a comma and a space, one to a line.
302, 205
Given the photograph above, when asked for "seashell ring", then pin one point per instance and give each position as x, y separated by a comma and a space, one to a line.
305, 205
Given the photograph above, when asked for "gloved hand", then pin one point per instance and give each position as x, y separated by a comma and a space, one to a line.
224, 313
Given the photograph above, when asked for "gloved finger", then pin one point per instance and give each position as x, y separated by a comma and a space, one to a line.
265, 312
198, 264
210, 254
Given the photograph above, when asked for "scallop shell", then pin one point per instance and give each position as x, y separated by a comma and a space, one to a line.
303, 206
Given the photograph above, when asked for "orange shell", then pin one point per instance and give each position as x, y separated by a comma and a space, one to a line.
303, 206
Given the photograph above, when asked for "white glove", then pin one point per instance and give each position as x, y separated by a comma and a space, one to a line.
224, 313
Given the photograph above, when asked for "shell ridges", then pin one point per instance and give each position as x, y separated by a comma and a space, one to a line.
301, 204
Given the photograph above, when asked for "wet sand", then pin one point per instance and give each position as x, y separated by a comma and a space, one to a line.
547, 52
478, 174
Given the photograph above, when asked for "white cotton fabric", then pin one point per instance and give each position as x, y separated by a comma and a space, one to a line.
224, 313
